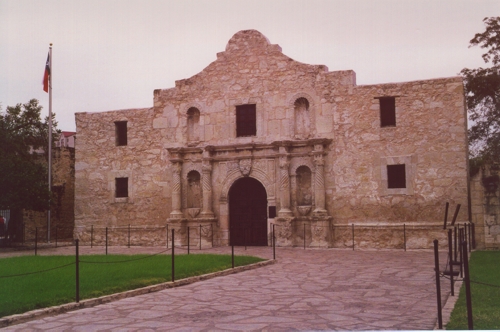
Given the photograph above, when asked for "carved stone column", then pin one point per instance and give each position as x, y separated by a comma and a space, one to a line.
319, 181
207, 189
176, 190
284, 184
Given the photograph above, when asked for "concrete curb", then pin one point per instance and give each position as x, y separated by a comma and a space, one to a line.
449, 305
56, 310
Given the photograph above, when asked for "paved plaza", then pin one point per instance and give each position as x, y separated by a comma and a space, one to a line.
313, 289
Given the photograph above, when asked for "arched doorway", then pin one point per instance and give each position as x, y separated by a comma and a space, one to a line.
248, 213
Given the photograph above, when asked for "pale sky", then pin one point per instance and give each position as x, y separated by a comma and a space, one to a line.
112, 54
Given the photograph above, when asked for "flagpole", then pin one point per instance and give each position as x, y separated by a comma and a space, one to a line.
50, 141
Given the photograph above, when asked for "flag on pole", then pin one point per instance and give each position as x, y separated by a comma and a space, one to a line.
46, 74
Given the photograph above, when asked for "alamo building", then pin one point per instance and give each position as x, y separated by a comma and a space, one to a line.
257, 141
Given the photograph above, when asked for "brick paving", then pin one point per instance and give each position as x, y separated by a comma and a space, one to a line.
314, 289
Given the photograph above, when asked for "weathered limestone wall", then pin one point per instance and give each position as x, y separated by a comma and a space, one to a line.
183, 154
99, 161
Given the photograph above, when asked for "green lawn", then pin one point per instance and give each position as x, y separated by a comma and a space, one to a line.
110, 274
484, 267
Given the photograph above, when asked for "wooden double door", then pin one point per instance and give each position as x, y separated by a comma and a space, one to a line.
248, 213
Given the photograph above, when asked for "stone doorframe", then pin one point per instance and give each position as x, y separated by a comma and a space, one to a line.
232, 176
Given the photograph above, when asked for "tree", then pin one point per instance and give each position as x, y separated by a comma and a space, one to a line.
23, 158
482, 86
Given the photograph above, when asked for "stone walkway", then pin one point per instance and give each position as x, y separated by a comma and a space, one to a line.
316, 289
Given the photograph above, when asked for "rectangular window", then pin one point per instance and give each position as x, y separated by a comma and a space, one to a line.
387, 111
396, 176
246, 120
121, 187
121, 133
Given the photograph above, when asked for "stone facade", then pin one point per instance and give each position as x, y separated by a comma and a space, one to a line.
318, 143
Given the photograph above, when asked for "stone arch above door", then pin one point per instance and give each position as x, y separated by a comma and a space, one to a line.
257, 174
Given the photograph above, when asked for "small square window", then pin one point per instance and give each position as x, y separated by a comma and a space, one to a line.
387, 111
246, 120
121, 187
396, 176
121, 133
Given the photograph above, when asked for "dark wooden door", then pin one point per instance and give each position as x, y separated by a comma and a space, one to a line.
248, 213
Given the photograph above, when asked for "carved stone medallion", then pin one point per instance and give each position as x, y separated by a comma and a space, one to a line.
245, 166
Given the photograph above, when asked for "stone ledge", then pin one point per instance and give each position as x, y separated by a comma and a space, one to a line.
63, 308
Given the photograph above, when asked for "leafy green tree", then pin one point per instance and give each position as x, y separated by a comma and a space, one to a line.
23, 158
482, 86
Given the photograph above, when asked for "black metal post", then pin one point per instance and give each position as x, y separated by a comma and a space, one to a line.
304, 236
352, 237
450, 260
173, 256
188, 240
77, 272
404, 235
446, 214
274, 245
468, 295
36, 239
212, 231
455, 242
129, 235
232, 256
167, 236
106, 241
455, 215
438, 284
200, 237
91, 235
473, 236
246, 231
460, 244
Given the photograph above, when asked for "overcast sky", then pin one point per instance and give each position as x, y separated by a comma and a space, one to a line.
110, 55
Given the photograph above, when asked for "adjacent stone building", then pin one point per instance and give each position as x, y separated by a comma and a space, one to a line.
258, 139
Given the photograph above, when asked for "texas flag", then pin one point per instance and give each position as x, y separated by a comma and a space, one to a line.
46, 74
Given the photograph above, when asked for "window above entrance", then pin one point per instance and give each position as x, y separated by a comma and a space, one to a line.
246, 120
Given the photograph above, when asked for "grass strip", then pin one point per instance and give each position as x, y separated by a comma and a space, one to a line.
484, 268
99, 275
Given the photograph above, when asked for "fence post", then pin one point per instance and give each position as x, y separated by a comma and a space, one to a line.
438, 284
167, 236
446, 214
232, 256
200, 236
246, 230
404, 234
129, 235
188, 240
274, 245
352, 237
304, 236
36, 239
212, 231
77, 274
467, 287
91, 235
106, 240
450, 260
173, 256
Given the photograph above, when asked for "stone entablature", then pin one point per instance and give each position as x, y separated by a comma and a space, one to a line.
319, 148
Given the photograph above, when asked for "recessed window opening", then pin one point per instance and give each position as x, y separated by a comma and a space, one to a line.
387, 111
121, 187
121, 133
246, 120
396, 176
